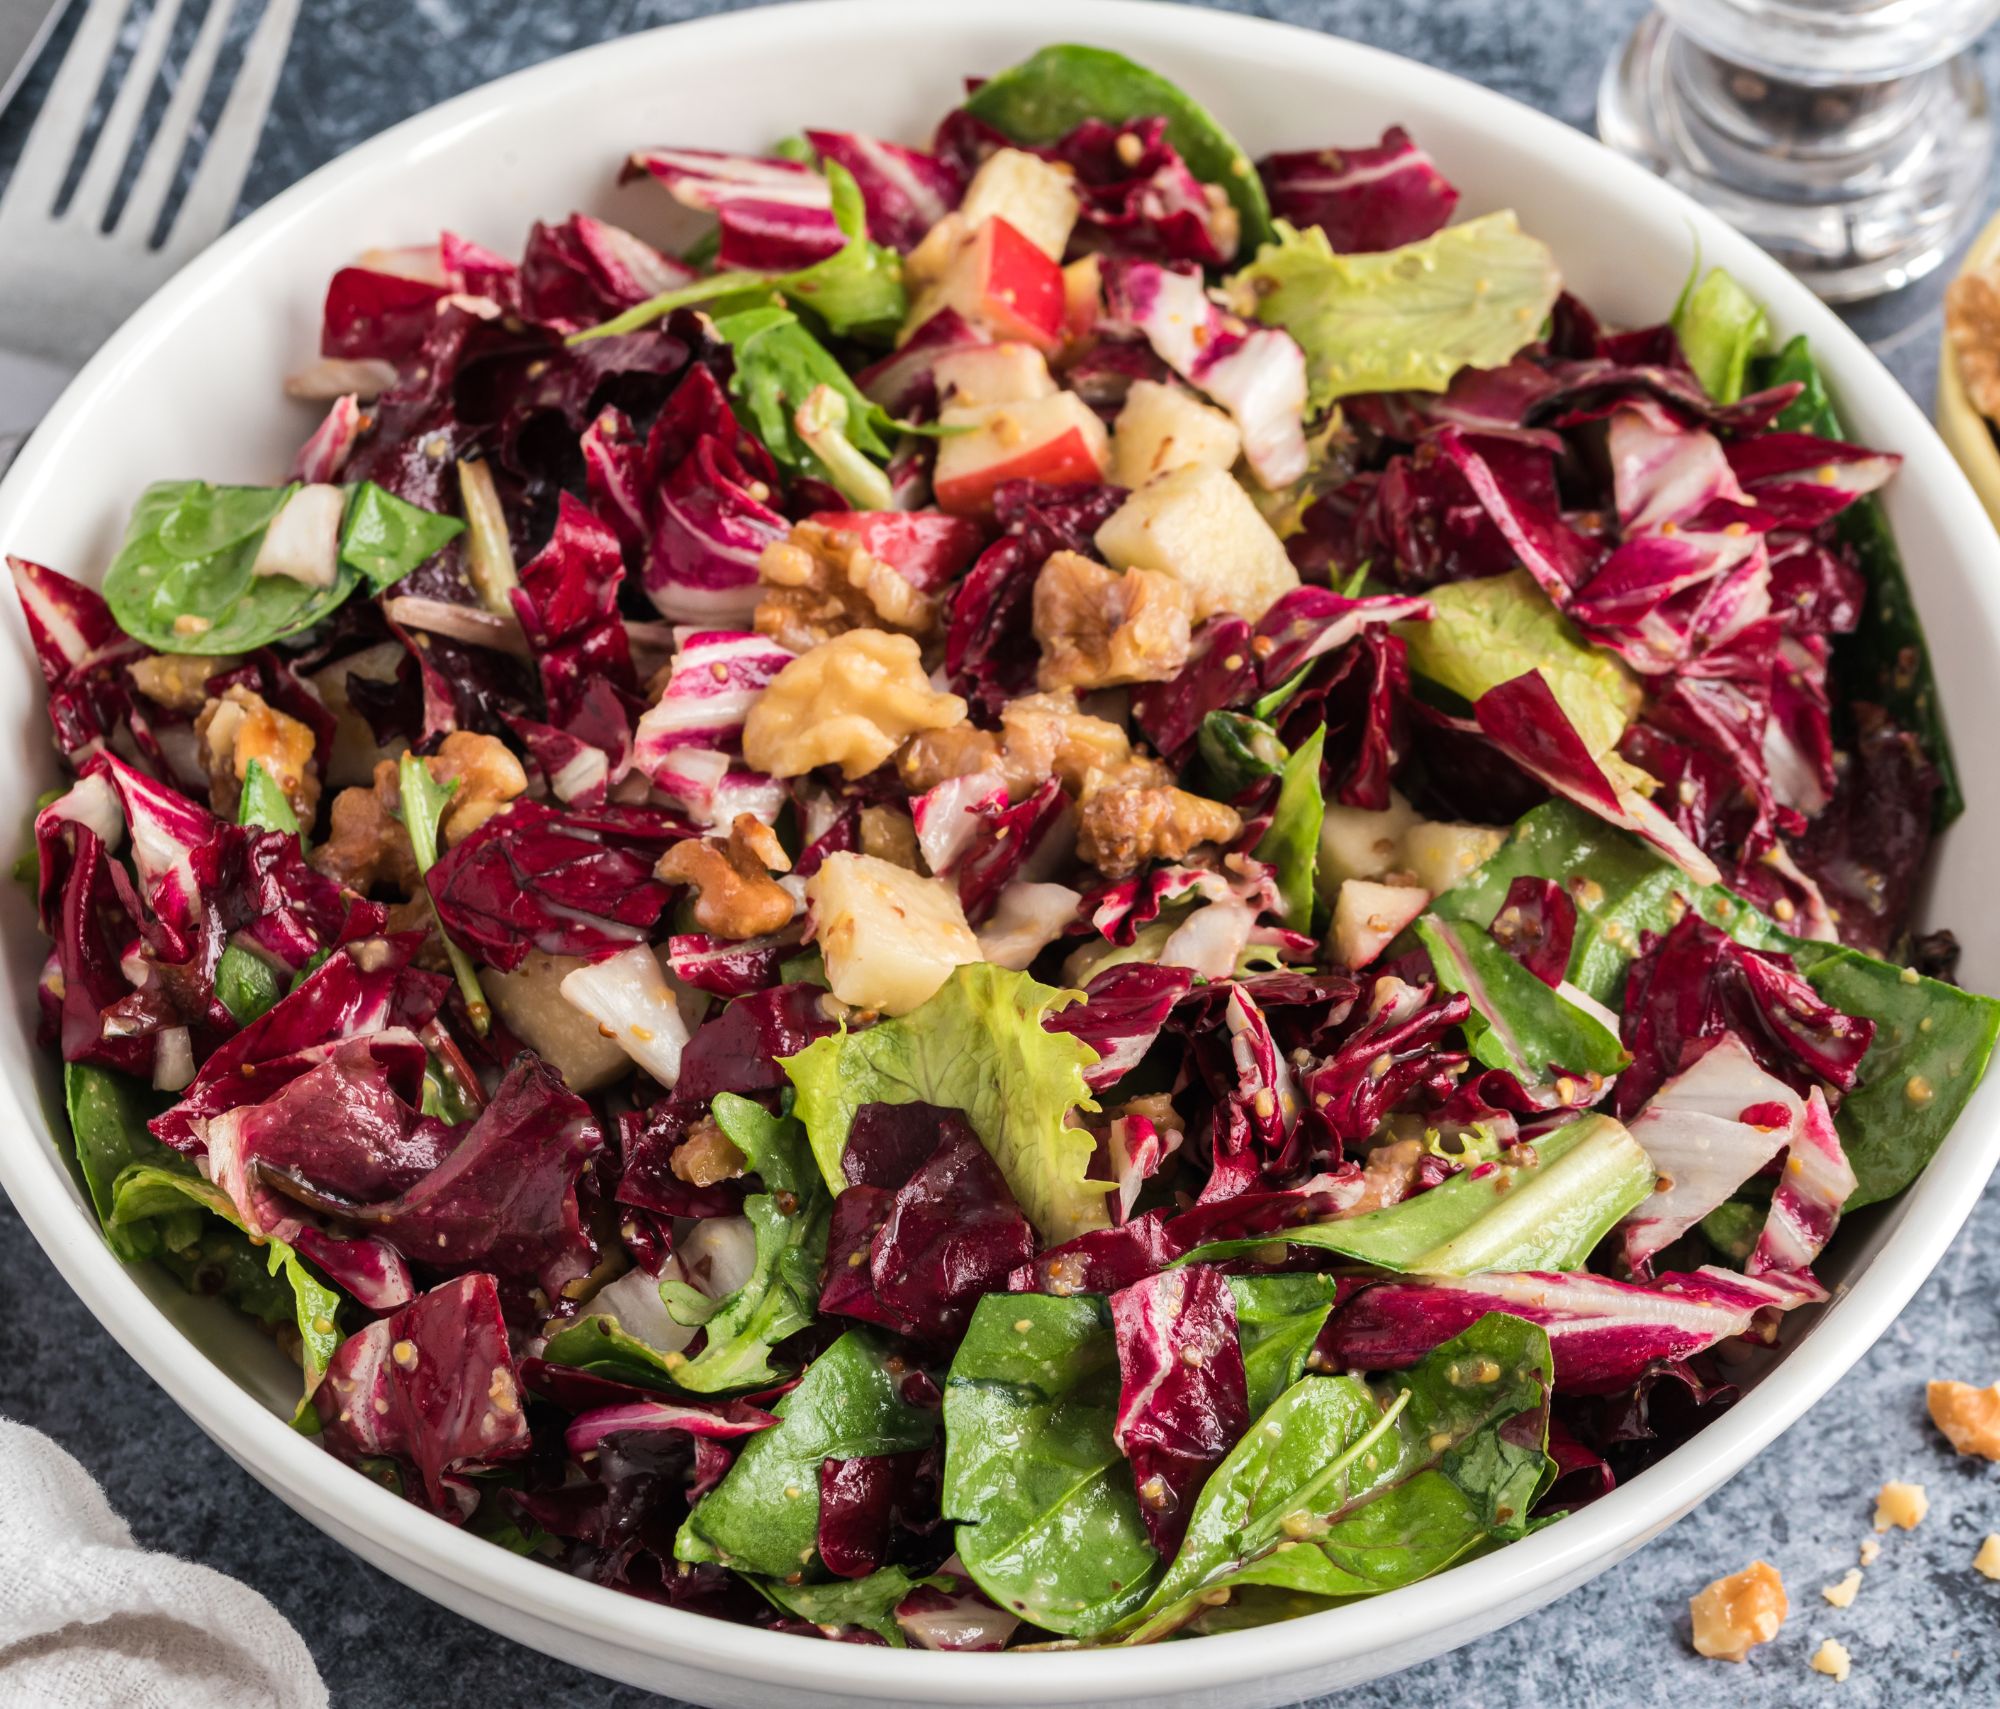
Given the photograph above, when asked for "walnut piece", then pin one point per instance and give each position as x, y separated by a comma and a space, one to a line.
1972, 322
1097, 627
1842, 1595
1044, 735
1987, 1562
850, 702
735, 895
1735, 1614
1120, 829
933, 757
179, 681
1969, 1417
238, 728
1832, 1658
367, 843
822, 582
706, 1156
1902, 1505
1387, 1175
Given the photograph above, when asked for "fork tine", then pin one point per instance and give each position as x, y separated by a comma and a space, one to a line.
211, 198
99, 184
163, 153
58, 128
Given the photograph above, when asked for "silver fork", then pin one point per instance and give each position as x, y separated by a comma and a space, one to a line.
67, 282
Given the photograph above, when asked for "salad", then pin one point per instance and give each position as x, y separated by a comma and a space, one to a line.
1074, 892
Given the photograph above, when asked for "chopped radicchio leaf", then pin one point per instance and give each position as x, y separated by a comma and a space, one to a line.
1362, 198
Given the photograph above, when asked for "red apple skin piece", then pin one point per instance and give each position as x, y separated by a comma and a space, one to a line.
927, 548
1021, 289
1070, 451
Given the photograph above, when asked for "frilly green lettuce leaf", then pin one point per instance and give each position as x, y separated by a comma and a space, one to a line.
1407, 319
1721, 327
978, 1046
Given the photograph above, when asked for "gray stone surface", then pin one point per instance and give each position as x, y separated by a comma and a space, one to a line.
1925, 1628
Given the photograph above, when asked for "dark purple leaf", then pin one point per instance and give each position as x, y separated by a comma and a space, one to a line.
1364, 199
1536, 925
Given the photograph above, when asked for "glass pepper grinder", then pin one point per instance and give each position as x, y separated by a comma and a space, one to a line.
1851, 138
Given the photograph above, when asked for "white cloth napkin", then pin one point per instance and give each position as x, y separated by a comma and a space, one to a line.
88, 1620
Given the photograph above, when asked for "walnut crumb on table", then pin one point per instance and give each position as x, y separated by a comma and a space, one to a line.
1842, 1595
1987, 1561
1901, 1505
1832, 1658
1871, 1551
1735, 1614
1969, 1417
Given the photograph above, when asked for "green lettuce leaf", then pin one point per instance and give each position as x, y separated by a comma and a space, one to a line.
108, 1113
422, 802
1547, 1214
764, 1516
779, 364
1928, 1032
1237, 751
383, 538
144, 1191
1291, 844
1344, 1488
1049, 94
864, 1604
1489, 631
978, 1046
1517, 1023
1278, 1318
245, 983
1469, 296
1721, 327
1048, 1521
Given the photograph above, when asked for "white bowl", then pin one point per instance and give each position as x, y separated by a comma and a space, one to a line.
190, 387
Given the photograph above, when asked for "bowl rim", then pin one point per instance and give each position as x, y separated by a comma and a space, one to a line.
411, 1543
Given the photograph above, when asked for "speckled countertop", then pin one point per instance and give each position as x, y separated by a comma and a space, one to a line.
1925, 1628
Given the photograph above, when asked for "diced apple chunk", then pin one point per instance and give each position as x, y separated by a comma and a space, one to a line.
1055, 439
1367, 917
1000, 282
1439, 854
1035, 196
889, 936
1355, 842
992, 374
1197, 525
1083, 295
1163, 428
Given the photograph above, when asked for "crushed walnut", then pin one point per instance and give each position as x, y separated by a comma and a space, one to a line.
1969, 1417
850, 702
240, 727
1987, 1562
1045, 735
932, 757
1972, 323
366, 843
1098, 627
1831, 1658
735, 895
1842, 1595
179, 681
1120, 829
821, 582
1387, 1175
1734, 1615
1902, 1505
706, 1156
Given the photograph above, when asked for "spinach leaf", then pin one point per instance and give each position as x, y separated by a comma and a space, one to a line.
182, 580
144, 1191
1346, 1489
1543, 1215
1620, 887
108, 1113
1886, 660
383, 538
245, 984
1291, 844
1048, 1521
868, 1604
1927, 1031
1048, 95
764, 1515
1278, 1318
1517, 1023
